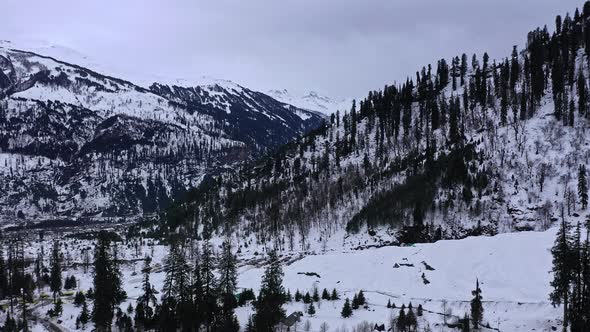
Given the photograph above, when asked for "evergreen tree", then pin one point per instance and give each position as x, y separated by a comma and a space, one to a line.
84, 315
269, 307
250, 325
572, 111
177, 286
401, 323
325, 295
454, 134
465, 323
198, 298
514, 69
411, 320
208, 306
582, 94
107, 284
3, 279
316, 296
346, 309
583, 186
149, 294
561, 252
311, 309
298, 296
463, 68
79, 299
476, 306
55, 276
361, 298
585, 267
176, 282
355, 302
227, 287
334, 296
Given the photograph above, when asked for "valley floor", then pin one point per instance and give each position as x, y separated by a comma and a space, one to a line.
513, 271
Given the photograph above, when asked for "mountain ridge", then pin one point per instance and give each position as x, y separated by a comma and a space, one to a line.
118, 143
470, 146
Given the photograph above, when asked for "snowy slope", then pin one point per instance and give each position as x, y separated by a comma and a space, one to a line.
79, 144
313, 101
512, 270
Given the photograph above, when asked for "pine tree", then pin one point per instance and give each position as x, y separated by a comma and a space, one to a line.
55, 275
514, 69
316, 296
361, 298
465, 323
227, 269
355, 302
411, 320
227, 287
208, 307
463, 68
585, 266
250, 325
572, 111
576, 301
107, 284
561, 268
84, 315
582, 94
388, 303
476, 306
325, 295
311, 309
149, 293
269, 307
583, 186
177, 286
198, 298
298, 296
401, 319
346, 309
3, 279
334, 296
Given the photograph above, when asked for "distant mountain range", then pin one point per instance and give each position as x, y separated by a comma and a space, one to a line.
313, 101
76, 144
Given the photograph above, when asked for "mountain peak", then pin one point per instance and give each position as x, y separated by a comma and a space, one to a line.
312, 100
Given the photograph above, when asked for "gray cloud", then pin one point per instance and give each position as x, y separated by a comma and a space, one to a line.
339, 47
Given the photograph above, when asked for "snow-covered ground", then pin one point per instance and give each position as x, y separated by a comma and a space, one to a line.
513, 271
313, 101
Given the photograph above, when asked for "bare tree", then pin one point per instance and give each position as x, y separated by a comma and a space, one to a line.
324, 327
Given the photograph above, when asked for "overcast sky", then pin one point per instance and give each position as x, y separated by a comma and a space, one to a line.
337, 47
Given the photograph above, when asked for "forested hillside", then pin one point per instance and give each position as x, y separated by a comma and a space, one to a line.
467, 146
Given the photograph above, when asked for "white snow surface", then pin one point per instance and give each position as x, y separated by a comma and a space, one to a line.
513, 271
313, 101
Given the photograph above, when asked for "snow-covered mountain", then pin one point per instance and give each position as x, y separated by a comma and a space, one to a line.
313, 101
78, 144
473, 146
